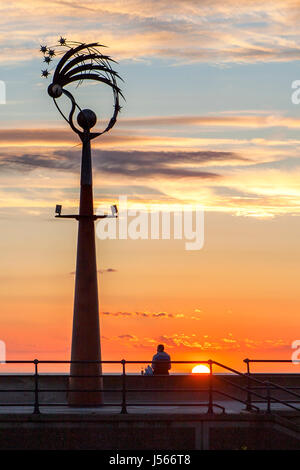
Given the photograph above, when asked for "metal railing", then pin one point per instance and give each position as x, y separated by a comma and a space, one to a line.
271, 386
251, 388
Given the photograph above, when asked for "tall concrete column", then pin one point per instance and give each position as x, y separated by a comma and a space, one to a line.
86, 331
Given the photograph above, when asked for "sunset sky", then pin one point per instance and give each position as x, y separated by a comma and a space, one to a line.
208, 120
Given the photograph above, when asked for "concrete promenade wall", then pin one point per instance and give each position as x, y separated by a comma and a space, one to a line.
166, 431
168, 388
146, 432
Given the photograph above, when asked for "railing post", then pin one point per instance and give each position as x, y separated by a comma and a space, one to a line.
268, 398
210, 391
124, 408
249, 394
36, 388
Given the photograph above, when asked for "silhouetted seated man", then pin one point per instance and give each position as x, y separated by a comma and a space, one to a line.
161, 361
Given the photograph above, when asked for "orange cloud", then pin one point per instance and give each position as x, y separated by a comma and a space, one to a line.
250, 121
186, 31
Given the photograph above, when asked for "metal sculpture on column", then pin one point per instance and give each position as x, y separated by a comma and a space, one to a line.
79, 63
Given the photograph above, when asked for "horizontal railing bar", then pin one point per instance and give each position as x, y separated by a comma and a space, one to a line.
120, 374
89, 406
104, 390
175, 404
120, 390
17, 362
60, 362
167, 390
103, 362
272, 360
114, 375
142, 390
20, 376
167, 404
32, 376
57, 404
171, 362
117, 404
80, 362
99, 376
80, 390
16, 404
139, 362
288, 390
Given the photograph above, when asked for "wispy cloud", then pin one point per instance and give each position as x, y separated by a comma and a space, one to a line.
143, 315
130, 163
108, 270
188, 31
257, 180
195, 342
249, 121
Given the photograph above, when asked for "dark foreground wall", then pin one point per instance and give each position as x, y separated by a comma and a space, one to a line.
160, 432
172, 431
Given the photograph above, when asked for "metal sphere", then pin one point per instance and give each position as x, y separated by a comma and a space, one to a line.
86, 119
54, 90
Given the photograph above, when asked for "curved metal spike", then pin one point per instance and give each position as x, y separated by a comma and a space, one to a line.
88, 67
72, 51
91, 76
79, 59
93, 49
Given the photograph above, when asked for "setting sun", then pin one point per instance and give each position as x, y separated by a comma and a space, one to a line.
200, 369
